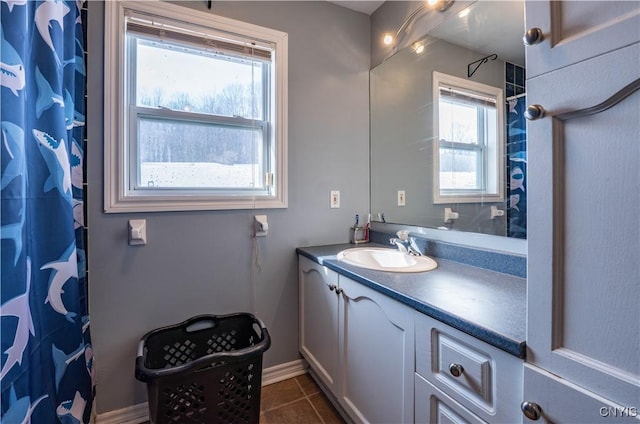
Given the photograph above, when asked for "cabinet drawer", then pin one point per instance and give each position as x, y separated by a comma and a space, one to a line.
482, 378
461, 366
434, 407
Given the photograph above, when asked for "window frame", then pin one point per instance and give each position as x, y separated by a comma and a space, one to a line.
492, 160
120, 195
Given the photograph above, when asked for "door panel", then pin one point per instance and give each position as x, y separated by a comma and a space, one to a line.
578, 30
582, 291
562, 402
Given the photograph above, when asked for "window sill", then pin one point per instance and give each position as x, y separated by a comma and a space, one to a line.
168, 204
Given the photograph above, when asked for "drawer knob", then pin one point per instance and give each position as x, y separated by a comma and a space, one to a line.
534, 112
533, 36
531, 410
456, 370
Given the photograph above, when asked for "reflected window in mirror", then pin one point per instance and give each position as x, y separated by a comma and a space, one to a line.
469, 156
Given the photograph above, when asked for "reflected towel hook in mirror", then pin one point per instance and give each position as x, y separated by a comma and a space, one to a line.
479, 62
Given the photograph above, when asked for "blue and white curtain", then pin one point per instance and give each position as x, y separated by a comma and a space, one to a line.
47, 360
517, 167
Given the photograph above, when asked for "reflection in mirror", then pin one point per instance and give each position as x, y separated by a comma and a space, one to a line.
469, 152
447, 125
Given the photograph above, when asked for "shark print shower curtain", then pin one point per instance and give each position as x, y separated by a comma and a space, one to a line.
47, 362
517, 167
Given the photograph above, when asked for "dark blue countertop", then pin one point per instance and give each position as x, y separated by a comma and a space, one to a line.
488, 305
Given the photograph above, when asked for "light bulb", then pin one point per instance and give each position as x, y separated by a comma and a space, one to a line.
388, 39
418, 48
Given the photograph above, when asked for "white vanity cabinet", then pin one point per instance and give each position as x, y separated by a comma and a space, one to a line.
583, 318
359, 342
376, 355
319, 319
461, 379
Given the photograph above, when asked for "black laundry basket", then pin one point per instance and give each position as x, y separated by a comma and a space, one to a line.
205, 370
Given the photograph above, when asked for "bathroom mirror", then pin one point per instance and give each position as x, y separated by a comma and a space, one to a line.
433, 107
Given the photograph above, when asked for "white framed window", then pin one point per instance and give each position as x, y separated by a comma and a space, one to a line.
195, 111
469, 147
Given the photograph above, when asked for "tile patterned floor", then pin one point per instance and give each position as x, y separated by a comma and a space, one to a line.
297, 400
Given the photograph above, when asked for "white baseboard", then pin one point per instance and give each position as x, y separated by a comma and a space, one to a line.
139, 413
283, 371
130, 415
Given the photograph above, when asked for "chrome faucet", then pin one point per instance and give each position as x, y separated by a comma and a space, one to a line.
401, 247
405, 245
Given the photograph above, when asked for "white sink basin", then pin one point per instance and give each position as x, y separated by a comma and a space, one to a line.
383, 259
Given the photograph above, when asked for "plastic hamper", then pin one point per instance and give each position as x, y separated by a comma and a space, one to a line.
205, 370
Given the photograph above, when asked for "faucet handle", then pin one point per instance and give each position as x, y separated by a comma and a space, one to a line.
400, 244
403, 235
413, 247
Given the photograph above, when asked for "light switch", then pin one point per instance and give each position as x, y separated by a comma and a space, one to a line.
401, 198
334, 199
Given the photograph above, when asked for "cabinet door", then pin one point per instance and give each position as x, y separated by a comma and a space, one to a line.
574, 31
377, 353
583, 319
563, 402
319, 320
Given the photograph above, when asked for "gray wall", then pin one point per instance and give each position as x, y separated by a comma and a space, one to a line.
203, 262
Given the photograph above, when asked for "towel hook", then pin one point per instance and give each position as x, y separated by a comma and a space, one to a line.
479, 63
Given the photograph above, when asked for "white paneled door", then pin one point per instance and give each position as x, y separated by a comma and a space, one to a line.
584, 194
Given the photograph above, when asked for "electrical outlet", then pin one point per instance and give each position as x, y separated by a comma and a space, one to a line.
401, 198
334, 199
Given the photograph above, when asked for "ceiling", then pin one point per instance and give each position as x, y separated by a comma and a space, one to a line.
491, 27
364, 6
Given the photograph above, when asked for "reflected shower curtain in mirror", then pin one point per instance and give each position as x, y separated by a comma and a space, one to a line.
517, 167
47, 361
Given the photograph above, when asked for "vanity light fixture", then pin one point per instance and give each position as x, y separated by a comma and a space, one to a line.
464, 13
439, 5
